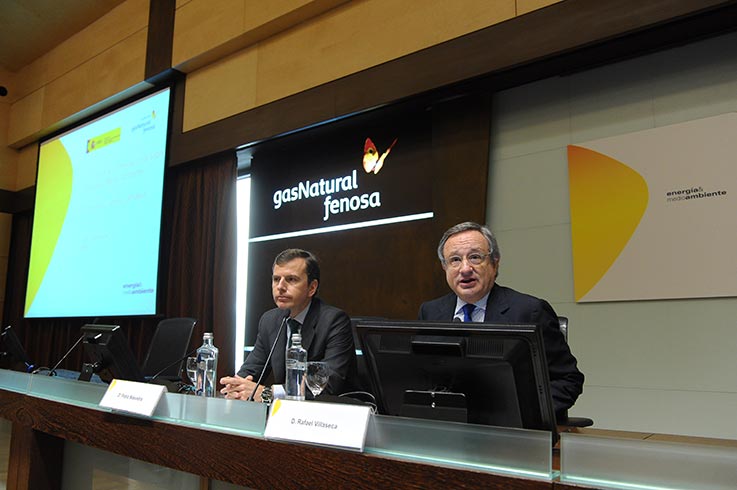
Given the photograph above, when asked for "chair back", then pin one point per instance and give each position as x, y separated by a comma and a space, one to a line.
571, 421
169, 344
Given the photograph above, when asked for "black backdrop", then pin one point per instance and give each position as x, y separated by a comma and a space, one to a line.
439, 164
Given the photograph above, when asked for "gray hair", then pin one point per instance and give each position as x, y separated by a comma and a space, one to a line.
470, 226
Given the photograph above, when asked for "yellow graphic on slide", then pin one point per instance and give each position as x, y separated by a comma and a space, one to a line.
608, 200
50, 213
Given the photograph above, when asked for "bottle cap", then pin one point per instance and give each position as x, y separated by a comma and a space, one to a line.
208, 335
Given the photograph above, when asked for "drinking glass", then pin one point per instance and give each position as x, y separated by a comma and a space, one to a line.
318, 374
192, 369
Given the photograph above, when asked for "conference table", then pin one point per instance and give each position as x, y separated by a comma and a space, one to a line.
55, 434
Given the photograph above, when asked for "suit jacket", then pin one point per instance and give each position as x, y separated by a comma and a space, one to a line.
326, 335
505, 305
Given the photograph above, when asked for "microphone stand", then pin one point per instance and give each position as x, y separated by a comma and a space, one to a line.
172, 364
52, 371
268, 358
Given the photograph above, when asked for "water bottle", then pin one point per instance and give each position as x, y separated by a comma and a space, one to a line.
296, 369
207, 367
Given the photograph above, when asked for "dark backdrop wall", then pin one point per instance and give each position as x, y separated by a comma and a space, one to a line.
386, 270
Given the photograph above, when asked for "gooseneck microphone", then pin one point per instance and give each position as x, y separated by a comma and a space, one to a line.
268, 358
172, 364
52, 371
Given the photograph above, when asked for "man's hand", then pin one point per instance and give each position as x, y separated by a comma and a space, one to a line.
237, 388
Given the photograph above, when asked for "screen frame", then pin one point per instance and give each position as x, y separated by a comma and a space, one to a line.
93, 117
107, 346
530, 334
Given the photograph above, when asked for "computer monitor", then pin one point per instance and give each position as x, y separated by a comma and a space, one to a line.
14, 349
491, 374
107, 347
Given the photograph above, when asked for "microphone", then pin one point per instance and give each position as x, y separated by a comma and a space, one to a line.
52, 371
268, 358
172, 364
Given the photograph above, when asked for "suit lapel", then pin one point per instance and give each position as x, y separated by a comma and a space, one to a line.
279, 356
497, 305
310, 324
448, 307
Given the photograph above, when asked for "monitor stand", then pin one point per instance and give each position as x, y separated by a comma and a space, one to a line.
435, 405
88, 369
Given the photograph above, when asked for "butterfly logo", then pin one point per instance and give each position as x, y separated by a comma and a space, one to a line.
372, 162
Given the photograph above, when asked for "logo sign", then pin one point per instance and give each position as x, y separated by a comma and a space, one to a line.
327, 424
132, 397
348, 174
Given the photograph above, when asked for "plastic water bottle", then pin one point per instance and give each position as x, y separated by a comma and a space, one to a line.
207, 367
296, 369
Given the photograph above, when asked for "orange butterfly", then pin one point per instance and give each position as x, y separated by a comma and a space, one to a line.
372, 162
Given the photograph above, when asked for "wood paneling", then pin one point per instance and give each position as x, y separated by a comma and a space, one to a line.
526, 6
27, 161
101, 62
160, 38
35, 459
207, 31
8, 156
122, 22
343, 41
26, 116
113, 71
565, 36
247, 461
202, 25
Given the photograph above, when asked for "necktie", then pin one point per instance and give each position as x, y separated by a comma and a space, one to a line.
468, 312
293, 326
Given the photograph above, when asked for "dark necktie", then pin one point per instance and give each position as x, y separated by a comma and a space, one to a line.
293, 327
468, 312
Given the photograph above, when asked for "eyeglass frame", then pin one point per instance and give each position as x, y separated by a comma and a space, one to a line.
449, 261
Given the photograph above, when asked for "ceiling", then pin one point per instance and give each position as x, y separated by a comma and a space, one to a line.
30, 28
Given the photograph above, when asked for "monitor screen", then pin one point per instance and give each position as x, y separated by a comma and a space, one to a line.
107, 348
491, 374
97, 215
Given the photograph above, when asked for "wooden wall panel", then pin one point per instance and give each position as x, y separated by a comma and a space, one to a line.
97, 63
206, 31
200, 26
8, 156
525, 6
113, 71
204, 92
122, 22
27, 159
6, 226
26, 116
343, 41
565, 36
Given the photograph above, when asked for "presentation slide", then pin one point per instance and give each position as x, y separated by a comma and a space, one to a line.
97, 215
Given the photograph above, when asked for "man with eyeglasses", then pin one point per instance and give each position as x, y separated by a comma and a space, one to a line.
470, 256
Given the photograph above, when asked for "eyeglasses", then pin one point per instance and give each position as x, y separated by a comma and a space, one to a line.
474, 259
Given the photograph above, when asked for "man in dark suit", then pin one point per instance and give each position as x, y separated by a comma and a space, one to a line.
325, 330
470, 257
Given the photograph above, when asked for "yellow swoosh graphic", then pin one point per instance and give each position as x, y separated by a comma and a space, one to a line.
55, 182
608, 200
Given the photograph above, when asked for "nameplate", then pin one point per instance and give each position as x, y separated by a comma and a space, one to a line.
329, 424
132, 397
